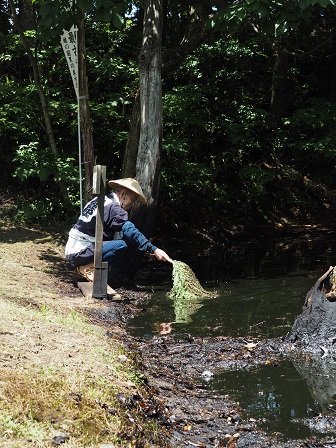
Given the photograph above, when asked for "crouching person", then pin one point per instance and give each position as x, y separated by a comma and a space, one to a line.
119, 233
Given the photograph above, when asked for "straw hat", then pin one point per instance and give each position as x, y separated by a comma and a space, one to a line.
130, 184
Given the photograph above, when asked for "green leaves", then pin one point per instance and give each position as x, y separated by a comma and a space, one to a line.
49, 13
34, 161
273, 17
56, 16
117, 20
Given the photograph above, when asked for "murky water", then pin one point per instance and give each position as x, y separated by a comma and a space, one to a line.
278, 395
243, 307
261, 289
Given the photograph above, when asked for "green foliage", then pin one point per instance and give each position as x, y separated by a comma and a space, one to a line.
272, 17
184, 159
18, 122
213, 132
56, 16
34, 161
255, 180
309, 140
37, 210
221, 147
38, 164
24, 146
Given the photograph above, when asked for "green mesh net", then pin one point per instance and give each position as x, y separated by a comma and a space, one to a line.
185, 284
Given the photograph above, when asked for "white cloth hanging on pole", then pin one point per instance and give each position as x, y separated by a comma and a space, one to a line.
69, 43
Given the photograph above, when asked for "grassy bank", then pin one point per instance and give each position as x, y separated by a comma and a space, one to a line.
64, 380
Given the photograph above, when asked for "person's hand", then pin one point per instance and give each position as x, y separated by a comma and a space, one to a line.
162, 256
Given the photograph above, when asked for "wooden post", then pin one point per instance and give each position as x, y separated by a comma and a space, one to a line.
99, 289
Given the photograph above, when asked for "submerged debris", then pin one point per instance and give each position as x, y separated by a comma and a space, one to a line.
185, 284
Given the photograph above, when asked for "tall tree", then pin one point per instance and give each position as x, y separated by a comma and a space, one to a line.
279, 95
27, 15
173, 57
4, 27
56, 16
144, 145
150, 138
43, 99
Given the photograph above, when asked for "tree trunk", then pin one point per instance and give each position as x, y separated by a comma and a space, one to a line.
143, 150
172, 60
130, 157
147, 127
279, 96
44, 103
195, 34
150, 139
85, 116
332, 79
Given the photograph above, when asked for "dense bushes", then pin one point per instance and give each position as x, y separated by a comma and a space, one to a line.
223, 152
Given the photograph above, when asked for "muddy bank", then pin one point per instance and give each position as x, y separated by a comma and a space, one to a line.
175, 374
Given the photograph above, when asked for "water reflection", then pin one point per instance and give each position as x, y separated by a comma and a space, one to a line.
320, 375
185, 309
278, 396
261, 288
285, 396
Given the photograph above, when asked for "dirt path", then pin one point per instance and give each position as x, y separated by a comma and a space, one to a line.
72, 376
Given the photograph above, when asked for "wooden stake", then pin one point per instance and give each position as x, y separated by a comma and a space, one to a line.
99, 289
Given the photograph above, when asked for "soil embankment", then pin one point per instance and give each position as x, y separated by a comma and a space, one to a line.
127, 391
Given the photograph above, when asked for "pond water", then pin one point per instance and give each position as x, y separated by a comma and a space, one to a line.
261, 289
279, 396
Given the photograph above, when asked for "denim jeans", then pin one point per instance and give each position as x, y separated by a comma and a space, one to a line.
112, 252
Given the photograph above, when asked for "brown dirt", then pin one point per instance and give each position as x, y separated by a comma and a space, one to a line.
65, 376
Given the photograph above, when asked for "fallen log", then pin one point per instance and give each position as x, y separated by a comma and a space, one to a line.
314, 330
